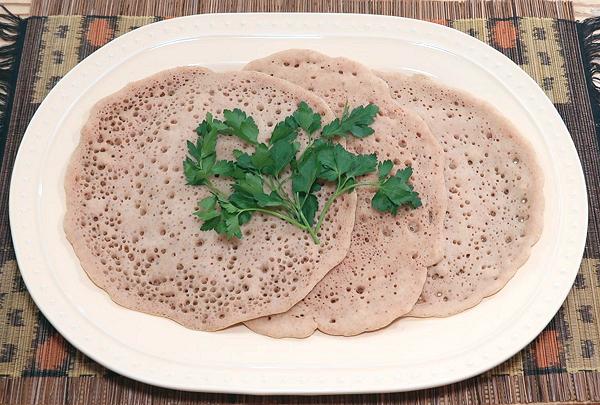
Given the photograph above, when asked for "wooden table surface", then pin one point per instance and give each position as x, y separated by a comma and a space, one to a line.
583, 8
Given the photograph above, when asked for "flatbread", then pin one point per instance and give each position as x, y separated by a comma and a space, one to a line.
129, 211
383, 274
495, 200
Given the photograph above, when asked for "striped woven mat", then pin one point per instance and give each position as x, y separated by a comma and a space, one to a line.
562, 365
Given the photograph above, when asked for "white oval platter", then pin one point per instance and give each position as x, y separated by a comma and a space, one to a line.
410, 354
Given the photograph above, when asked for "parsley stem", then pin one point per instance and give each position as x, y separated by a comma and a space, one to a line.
278, 215
341, 189
276, 186
326, 207
309, 229
285, 180
356, 185
300, 215
213, 189
364, 184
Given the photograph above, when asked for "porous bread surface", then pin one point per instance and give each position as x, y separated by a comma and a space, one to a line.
129, 210
382, 276
495, 200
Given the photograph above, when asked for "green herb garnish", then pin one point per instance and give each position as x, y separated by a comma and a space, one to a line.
261, 180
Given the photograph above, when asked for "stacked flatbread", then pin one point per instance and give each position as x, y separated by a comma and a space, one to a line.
129, 209
383, 274
495, 201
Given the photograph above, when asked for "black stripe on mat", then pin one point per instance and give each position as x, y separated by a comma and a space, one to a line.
12, 30
589, 42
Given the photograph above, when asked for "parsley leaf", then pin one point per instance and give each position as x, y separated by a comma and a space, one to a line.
306, 173
282, 153
306, 118
225, 221
335, 162
284, 130
384, 168
309, 208
338, 163
357, 122
261, 159
268, 160
250, 193
240, 125
362, 164
226, 168
394, 192
207, 208
197, 167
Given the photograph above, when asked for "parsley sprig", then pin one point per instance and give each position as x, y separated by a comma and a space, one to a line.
275, 179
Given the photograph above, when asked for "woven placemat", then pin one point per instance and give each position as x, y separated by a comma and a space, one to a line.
562, 365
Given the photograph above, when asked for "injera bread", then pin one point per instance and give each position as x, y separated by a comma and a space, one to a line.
383, 274
495, 200
129, 210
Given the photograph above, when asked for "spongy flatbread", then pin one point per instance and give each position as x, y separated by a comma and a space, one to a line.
495, 201
129, 211
383, 274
